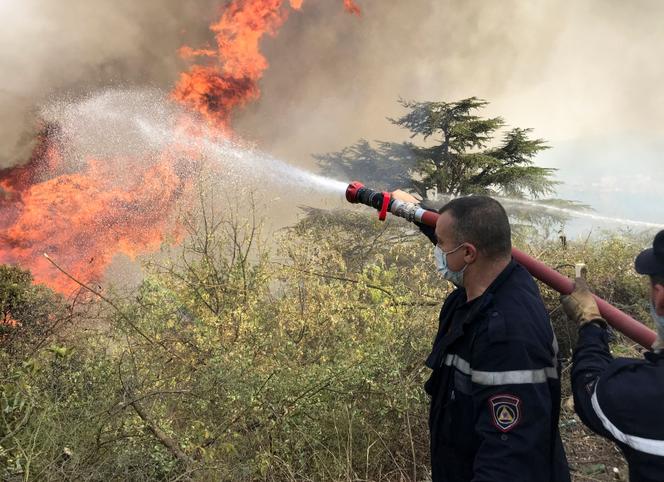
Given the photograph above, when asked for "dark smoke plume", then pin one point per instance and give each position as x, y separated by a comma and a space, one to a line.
52, 48
567, 69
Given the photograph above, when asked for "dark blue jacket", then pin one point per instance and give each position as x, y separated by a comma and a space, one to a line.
623, 400
495, 387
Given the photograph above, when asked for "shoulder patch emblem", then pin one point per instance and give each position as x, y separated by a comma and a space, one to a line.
505, 411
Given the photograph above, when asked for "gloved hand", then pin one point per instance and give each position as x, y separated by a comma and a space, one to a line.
580, 306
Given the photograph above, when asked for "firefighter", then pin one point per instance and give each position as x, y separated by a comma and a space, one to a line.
494, 385
622, 399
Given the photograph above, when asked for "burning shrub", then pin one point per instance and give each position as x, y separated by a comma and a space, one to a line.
30, 313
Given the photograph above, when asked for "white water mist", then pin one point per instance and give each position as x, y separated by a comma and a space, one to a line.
142, 124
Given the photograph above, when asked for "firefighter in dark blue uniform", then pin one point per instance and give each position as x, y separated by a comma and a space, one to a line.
494, 387
622, 399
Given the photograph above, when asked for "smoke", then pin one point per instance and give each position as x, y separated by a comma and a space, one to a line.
566, 70
569, 71
56, 47
584, 71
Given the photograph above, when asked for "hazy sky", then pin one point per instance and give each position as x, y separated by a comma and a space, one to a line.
586, 75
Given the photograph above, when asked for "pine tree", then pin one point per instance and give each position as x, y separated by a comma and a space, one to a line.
459, 155
460, 158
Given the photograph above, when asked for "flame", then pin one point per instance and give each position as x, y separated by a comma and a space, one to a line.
81, 215
218, 89
351, 7
84, 218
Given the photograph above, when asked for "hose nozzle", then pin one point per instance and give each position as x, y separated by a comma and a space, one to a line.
351, 191
384, 203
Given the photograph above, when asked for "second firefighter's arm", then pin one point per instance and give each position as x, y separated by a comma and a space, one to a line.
591, 355
591, 358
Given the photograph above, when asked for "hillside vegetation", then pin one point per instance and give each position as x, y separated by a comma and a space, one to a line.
232, 361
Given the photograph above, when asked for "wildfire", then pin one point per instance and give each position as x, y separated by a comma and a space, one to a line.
218, 89
76, 211
84, 218
351, 7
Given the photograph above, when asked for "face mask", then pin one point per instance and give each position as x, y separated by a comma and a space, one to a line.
456, 277
659, 322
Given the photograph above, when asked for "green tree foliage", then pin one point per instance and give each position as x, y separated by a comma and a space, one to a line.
233, 362
460, 154
15, 285
388, 166
31, 317
462, 159
29, 313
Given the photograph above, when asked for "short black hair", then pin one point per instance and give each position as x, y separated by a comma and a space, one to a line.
482, 221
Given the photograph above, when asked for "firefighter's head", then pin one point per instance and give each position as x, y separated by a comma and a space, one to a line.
650, 262
472, 232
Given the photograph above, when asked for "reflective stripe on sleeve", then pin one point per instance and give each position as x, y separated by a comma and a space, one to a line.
645, 445
509, 377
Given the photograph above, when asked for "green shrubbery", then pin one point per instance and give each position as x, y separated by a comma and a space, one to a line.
230, 362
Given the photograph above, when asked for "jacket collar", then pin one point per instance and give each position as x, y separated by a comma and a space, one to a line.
486, 297
444, 341
502, 277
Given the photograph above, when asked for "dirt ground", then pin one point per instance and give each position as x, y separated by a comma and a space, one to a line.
591, 458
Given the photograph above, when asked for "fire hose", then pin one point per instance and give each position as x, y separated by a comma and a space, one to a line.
384, 203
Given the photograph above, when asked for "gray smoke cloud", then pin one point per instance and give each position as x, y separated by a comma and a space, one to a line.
52, 48
566, 69
584, 75
581, 74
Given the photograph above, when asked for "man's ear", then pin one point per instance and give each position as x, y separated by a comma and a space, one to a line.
469, 253
658, 298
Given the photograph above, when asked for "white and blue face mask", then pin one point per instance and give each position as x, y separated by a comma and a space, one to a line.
659, 323
455, 277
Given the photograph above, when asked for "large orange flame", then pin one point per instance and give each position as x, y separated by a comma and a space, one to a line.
84, 218
81, 216
231, 79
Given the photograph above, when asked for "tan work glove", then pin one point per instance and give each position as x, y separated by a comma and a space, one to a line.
580, 306
404, 196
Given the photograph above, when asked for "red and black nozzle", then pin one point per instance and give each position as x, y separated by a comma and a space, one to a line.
358, 193
352, 190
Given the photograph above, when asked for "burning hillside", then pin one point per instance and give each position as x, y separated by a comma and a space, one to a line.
83, 204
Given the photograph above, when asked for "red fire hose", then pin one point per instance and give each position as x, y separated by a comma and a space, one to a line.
357, 193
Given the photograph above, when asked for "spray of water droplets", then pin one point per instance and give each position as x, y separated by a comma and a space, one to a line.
244, 162
536, 206
143, 123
